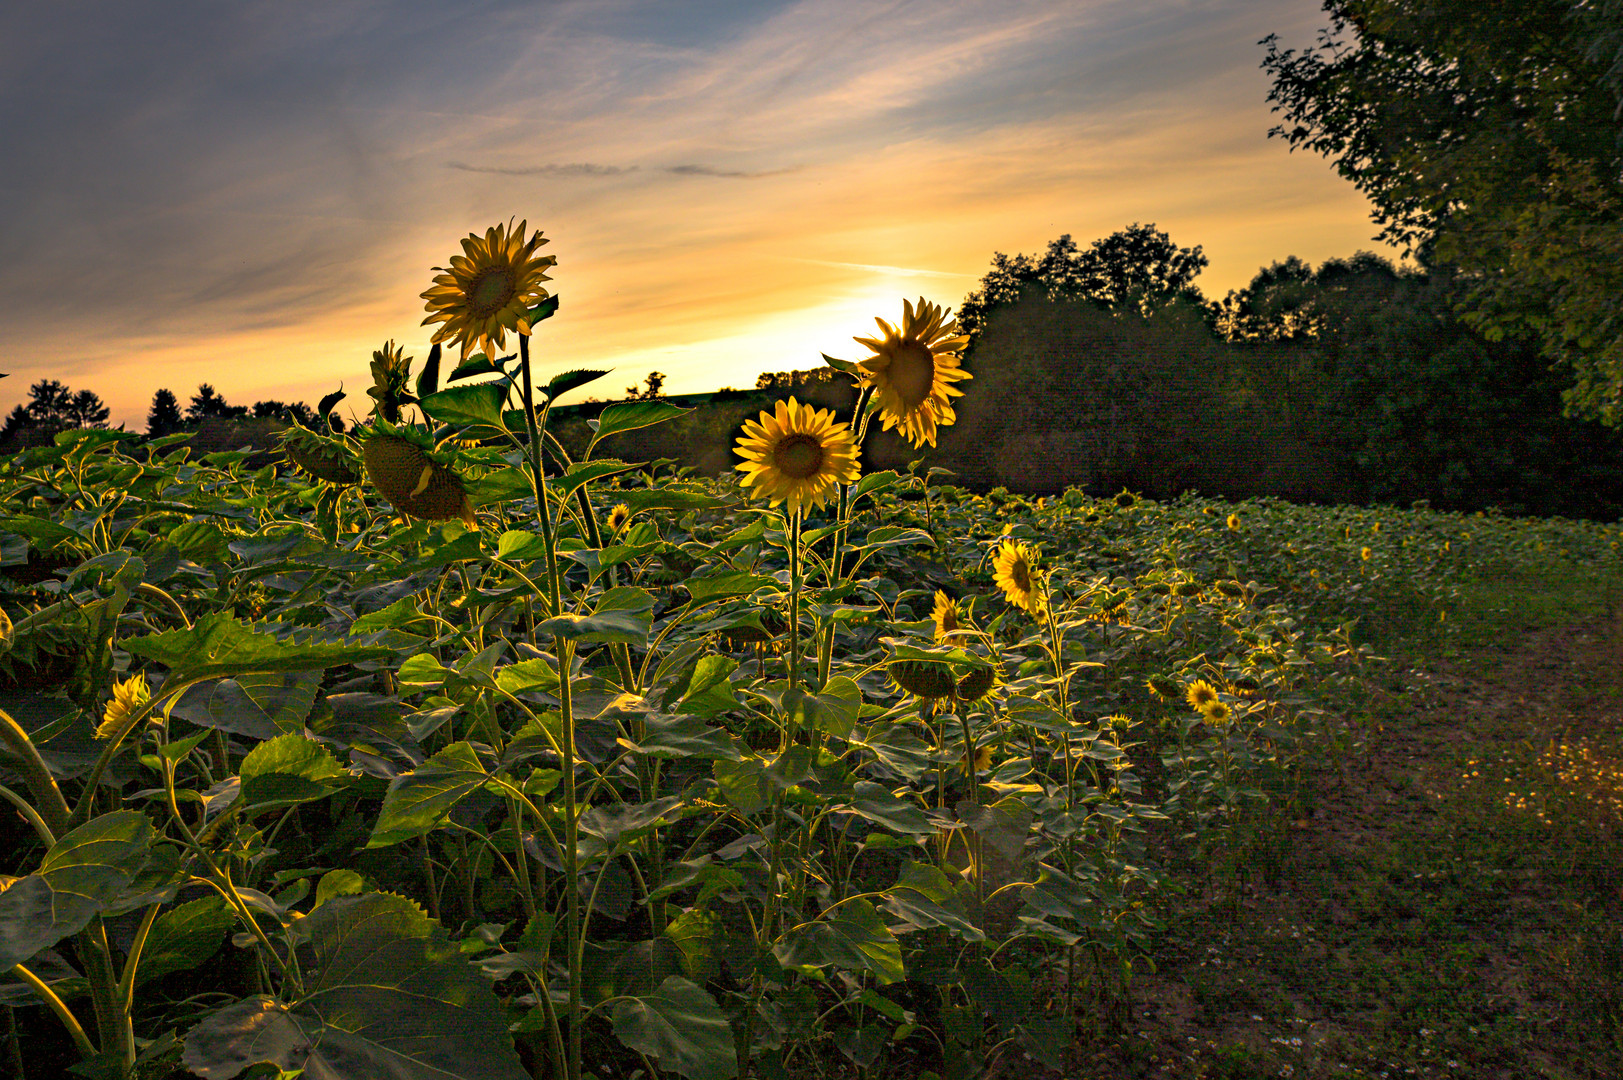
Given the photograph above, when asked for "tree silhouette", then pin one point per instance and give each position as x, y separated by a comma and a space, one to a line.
654, 389
164, 418
53, 407
297, 410
206, 404
1133, 270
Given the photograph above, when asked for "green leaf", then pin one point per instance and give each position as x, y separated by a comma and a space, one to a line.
474, 366
546, 309
527, 675
566, 381
876, 803
730, 583
707, 691
833, 710
428, 380
286, 771
874, 483
336, 883
925, 897
630, 415
744, 783
472, 403
256, 706
521, 545
852, 937
388, 997
670, 499
219, 646
419, 800
84, 872
629, 820
185, 936
423, 672
849, 367
503, 485
48, 533
683, 736
681, 1028
584, 472
623, 615
892, 536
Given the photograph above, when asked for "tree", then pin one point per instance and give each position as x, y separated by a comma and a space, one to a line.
1488, 138
164, 418
297, 410
1137, 269
654, 389
206, 404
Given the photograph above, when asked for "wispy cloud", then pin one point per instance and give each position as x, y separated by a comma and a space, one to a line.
578, 169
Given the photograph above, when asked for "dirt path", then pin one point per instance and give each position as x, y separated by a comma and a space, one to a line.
1450, 907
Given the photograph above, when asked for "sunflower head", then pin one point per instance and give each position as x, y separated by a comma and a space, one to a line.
1162, 686
390, 370
1015, 571
320, 457
1217, 713
945, 616
797, 455
618, 518
413, 481
488, 289
976, 683
912, 371
128, 696
923, 678
1234, 522
1200, 694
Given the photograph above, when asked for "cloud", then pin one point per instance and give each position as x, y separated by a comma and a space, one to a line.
735, 174
578, 169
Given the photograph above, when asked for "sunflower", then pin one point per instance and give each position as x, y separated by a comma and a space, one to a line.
1201, 694
390, 370
128, 696
1234, 523
488, 289
945, 616
913, 371
618, 518
413, 481
1217, 713
1015, 571
797, 455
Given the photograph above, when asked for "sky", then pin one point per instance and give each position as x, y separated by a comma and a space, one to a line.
254, 194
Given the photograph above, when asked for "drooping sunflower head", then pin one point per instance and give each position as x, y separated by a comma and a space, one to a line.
912, 371
390, 370
797, 455
489, 288
1201, 694
320, 456
928, 679
1015, 571
415, 482
1162, 686
977, 682
945, 616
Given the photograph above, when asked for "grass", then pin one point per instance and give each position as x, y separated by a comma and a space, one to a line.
1446, 905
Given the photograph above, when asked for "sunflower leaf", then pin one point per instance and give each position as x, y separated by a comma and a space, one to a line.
631, 415
680, 1026
472, 403
566, 381
428, 380
546, 309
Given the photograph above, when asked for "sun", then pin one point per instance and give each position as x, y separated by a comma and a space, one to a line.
797, 455
913, 369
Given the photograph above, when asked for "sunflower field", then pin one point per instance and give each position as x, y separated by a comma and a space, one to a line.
434, 751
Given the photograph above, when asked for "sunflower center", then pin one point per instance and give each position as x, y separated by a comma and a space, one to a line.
798, 456
912, 373
491, 291
1021, 573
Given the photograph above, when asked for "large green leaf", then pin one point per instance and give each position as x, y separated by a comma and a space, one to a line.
388, 997
926, 897
724, 584
83, 873
288, 770
631, 415
257, 706
419, 800
218, 646
852, 937
185, 936
623, 615
681, 1028
707, 690
876, 803
471, 403
832, 710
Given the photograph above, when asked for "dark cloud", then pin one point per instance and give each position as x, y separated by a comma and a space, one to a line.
732, 174
583, 168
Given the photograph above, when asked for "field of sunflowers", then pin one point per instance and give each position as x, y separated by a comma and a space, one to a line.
432, 751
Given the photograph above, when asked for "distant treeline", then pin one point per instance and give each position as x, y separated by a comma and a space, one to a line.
1105, 368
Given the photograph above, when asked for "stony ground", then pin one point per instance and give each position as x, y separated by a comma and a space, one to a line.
1447, 906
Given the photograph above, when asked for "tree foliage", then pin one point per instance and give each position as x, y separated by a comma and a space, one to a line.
207, 403
1137, 269
1490, 137
52, 407
164, 417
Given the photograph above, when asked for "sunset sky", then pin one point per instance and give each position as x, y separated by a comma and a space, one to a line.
254, 194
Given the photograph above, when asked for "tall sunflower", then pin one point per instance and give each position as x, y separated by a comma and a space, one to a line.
797, 455
488, 289
913, 369
1015, 571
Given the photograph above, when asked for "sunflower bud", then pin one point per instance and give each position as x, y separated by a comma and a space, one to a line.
128, 696
320, 457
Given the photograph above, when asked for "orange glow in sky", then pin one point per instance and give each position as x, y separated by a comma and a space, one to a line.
255, 199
